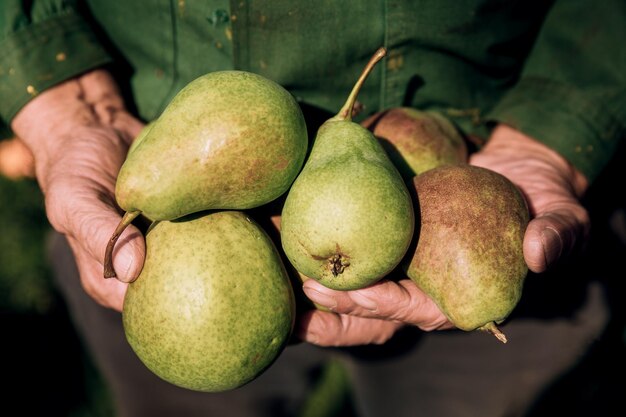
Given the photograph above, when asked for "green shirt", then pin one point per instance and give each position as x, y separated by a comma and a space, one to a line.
555, 70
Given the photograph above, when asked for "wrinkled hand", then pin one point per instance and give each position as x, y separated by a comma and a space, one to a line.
370, 315
79, 133
552, 187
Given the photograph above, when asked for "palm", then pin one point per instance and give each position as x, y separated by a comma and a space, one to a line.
80, 204
551, 187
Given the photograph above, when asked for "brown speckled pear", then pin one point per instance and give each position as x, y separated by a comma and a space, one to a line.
228, 140
347, 219
213, 306
416, 140
468, 256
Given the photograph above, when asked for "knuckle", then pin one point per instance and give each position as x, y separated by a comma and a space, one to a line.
57, 209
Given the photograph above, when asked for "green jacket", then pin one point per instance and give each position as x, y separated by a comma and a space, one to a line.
556, 70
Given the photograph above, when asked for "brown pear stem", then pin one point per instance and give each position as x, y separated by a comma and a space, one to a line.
129, 216
346, 111
493, 329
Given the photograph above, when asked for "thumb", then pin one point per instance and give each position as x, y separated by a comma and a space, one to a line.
554, 235
90, 223
128, 252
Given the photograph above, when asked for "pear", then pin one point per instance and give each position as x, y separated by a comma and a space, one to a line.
297, 277
348, 217
213, 306
416, 140
468, 257
228, 140
140, 137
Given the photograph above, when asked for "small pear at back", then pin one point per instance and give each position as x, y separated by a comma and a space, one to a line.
468, 256
213, 306
228, 140
416, 140
347, 219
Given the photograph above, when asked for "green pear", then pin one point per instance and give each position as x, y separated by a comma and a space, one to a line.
228, 140
297, 276
268, 217
416, 140
140, 137
468, 257
348, 218
213, 306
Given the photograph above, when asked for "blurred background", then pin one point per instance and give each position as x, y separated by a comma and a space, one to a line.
48, 373
45, 368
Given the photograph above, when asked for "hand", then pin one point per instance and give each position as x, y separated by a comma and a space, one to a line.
368, 315
79, 133
552, 188
560, 224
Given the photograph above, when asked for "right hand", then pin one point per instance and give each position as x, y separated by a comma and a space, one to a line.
79, 133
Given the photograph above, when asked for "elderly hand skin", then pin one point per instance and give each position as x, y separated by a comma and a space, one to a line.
79, 132
559, 226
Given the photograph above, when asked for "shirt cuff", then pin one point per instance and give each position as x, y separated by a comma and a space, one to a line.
42, 55
585, 130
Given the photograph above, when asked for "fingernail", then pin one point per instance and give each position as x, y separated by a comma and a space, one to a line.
320, 298
552, 245
124, 267
364, 301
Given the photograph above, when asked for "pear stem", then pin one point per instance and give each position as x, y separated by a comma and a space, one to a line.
493, 329
346, 111
129, 216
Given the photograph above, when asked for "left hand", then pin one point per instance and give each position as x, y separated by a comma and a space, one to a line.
552, 187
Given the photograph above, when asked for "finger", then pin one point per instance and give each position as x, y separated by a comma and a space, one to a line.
95, 231
128, 126
106, 292
554, 235
91, 221
330, 329
399, 301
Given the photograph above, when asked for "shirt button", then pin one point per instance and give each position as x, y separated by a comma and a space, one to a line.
218, 17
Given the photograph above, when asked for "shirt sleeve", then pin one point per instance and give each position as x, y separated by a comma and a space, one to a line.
43, 43
571, 94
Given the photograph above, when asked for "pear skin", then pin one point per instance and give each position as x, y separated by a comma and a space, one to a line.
213, 306
228, 140
348, 218
298, 278
140, 137
417, 141
468, 254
